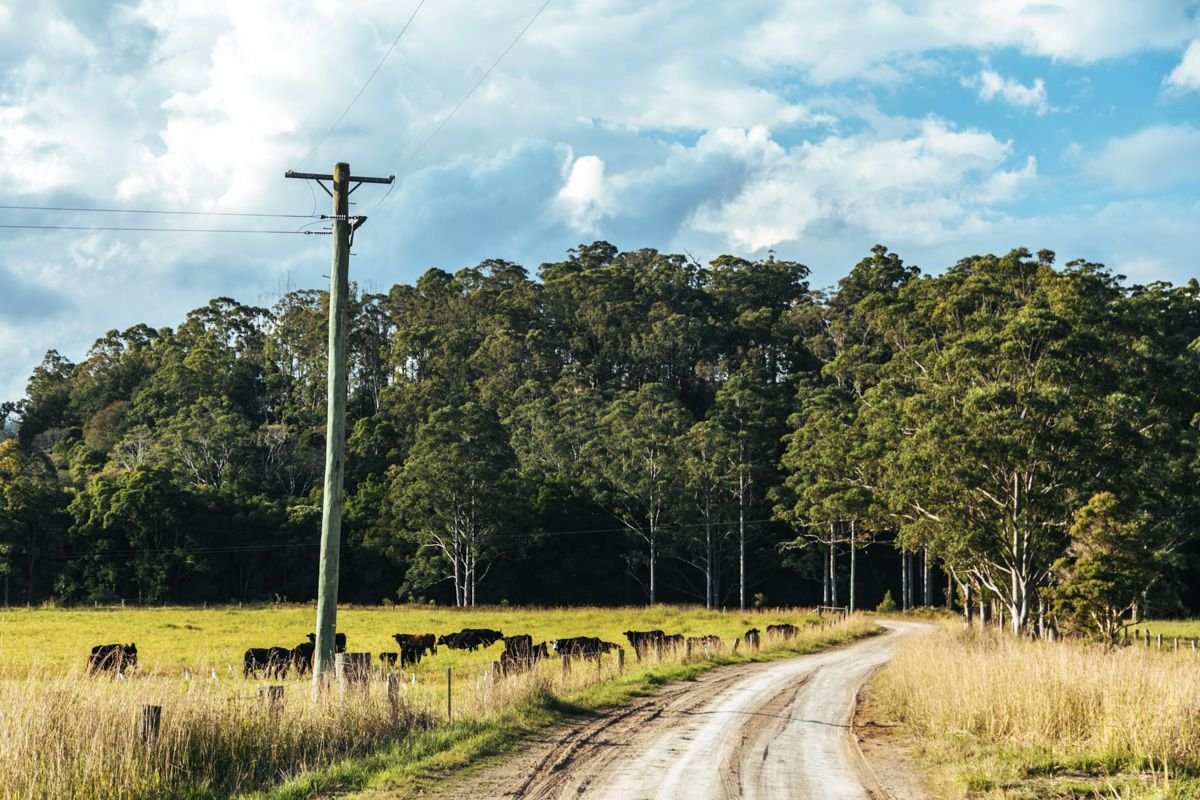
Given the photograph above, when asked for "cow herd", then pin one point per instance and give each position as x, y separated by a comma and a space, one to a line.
520, 653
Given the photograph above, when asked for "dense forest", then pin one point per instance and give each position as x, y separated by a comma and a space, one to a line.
636, 427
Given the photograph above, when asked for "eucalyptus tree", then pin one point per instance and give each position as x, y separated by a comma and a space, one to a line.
634, 465
708, 461
454, 495
826, 494
751, 411
1009, 398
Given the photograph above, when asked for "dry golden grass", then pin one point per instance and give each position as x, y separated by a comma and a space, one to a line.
1017, 718
67, 734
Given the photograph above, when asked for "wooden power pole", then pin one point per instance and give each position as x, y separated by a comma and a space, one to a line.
335, 428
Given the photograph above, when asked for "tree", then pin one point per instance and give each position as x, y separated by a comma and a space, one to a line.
708, 459
824, 493
1110, 562
32, 508
454, 494
634, 463
749, 409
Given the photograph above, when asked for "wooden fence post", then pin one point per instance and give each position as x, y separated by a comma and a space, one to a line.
149, 723
449, 691
1160, 641
621, 658
566, 664
393, 695
1176, 644
272, 698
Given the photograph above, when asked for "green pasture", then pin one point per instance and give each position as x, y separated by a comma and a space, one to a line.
1169, 628
171, 640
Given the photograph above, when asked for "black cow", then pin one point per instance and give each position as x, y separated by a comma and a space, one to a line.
785, 631
644, 642
583, 647
673, 641
413, 646
752, 639
426, 641
339, 641
302, 657
110, 657
273, 660
511, 661
470, 638
518, 645
388, 659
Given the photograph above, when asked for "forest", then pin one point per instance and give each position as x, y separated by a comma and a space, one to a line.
629, 427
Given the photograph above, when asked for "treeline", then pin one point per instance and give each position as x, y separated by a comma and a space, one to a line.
632, 426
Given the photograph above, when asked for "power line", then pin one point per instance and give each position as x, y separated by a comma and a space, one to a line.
412, 157
157, 211
160, 230
365, 84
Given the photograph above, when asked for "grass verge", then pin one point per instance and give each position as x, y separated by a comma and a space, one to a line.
995, 717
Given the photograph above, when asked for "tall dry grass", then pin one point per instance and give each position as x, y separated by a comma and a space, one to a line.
1041, 707
66, 734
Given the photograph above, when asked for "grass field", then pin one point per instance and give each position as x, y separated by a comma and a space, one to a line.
71, 735
998, 717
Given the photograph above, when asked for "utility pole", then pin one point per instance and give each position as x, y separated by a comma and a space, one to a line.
335, 427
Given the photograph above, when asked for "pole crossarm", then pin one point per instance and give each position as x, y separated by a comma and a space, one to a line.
357, 180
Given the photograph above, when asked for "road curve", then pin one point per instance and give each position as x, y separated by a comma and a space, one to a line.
756, 732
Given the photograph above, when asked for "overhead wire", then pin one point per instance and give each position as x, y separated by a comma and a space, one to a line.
412, 156
94, 209
155, 229
366, 83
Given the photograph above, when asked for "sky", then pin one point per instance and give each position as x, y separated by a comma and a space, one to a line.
814, 129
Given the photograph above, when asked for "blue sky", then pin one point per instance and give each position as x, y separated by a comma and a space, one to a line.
815, 129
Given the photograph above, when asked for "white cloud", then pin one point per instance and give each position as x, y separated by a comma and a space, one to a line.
583, 196
845, 40
1186, 76
924, 186
992, 85
1152, 159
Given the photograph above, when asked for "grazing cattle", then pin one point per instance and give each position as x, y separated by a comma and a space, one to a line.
302, 657
644, 642
673, 641
427, 641
413, 646
272, 660
707, 644
470, 638
511, 661
110, 657
752, 639
339, 641
388, 659
518, 645
785, 631
583, 647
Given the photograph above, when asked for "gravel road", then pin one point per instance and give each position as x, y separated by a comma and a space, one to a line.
759, 731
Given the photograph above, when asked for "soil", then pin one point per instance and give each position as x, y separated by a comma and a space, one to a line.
782, 729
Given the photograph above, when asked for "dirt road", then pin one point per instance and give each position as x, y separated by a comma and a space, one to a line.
759, 732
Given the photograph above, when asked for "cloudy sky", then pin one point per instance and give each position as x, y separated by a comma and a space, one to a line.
940, 128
